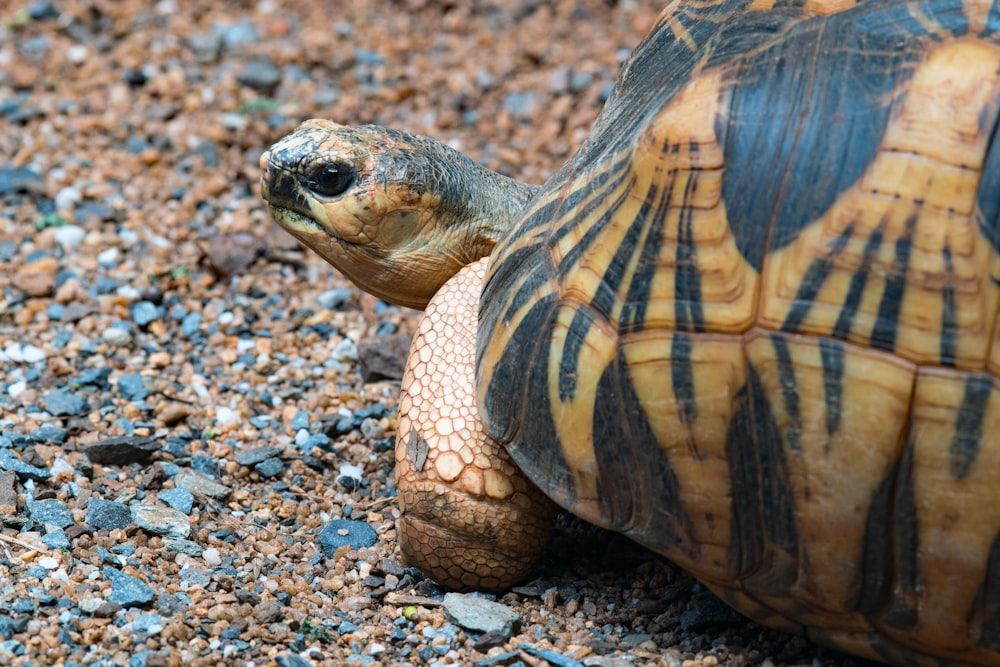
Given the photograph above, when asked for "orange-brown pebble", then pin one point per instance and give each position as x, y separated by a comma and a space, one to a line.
469, 518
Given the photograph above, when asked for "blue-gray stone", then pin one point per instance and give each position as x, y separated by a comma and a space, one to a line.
315, 440
191, 324
291, 660
93, 377
108, 514
144, 312
181, 500
56, 540
133, 387
249, 457
23, 606
142, 658
63, 402
128, 591
150, 624
339, 532
48, 433
9, 461
12, 646
50, 511
334, 299
270, 467
300, 420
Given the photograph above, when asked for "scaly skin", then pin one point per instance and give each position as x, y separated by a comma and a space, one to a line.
399, 215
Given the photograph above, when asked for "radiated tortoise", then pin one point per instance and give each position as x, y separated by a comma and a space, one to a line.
752, 324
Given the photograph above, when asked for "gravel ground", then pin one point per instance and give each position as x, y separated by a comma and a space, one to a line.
196, 416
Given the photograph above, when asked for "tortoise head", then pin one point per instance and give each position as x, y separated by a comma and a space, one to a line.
397, 213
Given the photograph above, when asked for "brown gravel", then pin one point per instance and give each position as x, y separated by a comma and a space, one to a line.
147, 300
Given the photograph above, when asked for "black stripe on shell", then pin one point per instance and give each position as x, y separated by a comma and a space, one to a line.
988, 197
832, 358
845, 320
887, 320
688, 312
764, 539
984, 620
949, 323
639, 491
969, 424
812, 282
789, 390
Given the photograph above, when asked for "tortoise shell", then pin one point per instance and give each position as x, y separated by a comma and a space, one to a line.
752, 324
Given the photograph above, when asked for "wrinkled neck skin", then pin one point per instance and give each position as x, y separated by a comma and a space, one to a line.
415, 213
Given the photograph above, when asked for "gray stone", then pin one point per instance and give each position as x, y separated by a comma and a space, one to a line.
340, 532
51, 511
197, 483
480, 615
108, 514
9, 461
133, 387
249, 457
181, 500
128, 591
161, 520
145, 312
260, 74
63, 402
270, 467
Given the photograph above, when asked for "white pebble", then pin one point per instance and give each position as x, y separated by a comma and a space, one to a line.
69, 236
68, 198
226, 317
212, 556
76, 54
116, 336
348, 470
301, 436
17, 388
108, 258
128, 292
245, 344
48, 562
225, 416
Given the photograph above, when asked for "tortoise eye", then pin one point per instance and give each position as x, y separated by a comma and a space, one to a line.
330, 180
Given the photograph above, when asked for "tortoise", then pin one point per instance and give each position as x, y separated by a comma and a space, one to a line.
751, 324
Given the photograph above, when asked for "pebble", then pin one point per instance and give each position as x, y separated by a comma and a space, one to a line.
10, 461
63, 402
260, 74
197, 483
345, 350
20, 179
182, 546
108, 514
128, 591
161, 520
227, 417
17, 352
341, 532
250, 457
145, 312
69, 236
383, 357
116, 336
133, 387
334, 299
480, 615
122, 450
270, 467
181, 500
51, 512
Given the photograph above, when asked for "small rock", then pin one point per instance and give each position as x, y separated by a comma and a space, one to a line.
706, 612
50, 511
270, 467
197, 483
63, 402
161, 520
182, 546
340, 532
383, 357
8, 494
181, 500
227, 416
108, 514
20, 179
250, 457
133, 387
230, 254
345, 350
122, 450
480, 615
37, 278
9, 461
69, 236
116, 336
128, 591
267, 612
145, 312
260, 74
56, 539
334, 299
